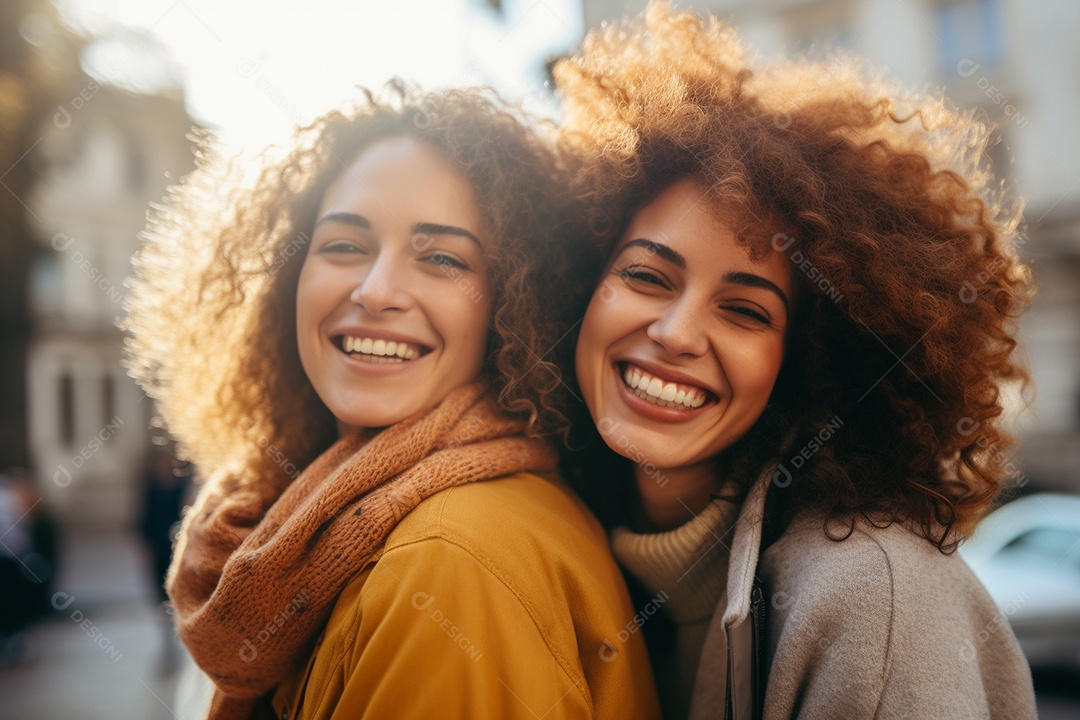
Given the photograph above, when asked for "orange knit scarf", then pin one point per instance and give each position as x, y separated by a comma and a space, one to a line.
253, 587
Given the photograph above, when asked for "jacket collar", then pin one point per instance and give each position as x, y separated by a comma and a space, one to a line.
746, 547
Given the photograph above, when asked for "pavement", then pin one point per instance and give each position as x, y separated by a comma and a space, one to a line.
107, 652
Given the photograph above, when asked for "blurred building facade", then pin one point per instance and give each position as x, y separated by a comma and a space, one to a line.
109, 154
1017, 62
93, 157
29, 76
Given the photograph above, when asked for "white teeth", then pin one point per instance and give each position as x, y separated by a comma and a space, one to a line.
658, 392
373, 350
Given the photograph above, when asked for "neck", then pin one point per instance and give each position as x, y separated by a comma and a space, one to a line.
671, 497
344, 429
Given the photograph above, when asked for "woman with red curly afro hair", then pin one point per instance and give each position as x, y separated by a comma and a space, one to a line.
351, 353
803, 322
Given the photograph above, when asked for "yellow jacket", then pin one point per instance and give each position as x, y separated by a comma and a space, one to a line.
495, 599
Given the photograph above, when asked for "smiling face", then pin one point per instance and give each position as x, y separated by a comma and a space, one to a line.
393, 301
684, 337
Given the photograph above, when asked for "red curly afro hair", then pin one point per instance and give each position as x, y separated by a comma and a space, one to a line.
900, 241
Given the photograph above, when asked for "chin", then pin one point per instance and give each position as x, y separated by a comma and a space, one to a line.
368, 422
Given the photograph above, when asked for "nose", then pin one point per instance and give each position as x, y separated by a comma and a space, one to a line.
678, 328
381, 288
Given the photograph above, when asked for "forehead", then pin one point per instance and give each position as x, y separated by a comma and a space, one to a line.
679, 210
406, 179
683, 217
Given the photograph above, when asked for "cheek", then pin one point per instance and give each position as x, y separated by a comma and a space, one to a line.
307, 297
611, 313
303, 309
589, 352
316, 297
759, 370
466, 319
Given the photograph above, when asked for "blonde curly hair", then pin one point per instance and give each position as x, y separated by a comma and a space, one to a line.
900, 239
211, 313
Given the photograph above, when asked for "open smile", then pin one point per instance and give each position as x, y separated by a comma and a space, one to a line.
661, 392
379, 350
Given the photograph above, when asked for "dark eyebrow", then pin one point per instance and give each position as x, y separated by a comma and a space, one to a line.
756, 281
654, 248
738, 278
419, 229
436, 229
347, 218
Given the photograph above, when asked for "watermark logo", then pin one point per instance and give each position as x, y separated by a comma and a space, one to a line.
969, 292
62, 477
968, 651
967, 426
61, 242
422, 601
428, 112
782, 477
247, 68
62, 601
616, 440
62, 118
781, 242
609, 651
967, 68
286, 253
270, 450
249, 650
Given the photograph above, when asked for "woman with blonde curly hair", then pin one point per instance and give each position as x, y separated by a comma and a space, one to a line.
799, 339
353, 352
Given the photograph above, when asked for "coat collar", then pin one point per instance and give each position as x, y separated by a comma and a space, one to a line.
746, 547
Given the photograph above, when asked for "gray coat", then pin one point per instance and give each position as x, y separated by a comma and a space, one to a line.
880, 625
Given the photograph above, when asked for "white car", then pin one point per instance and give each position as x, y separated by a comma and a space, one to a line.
1027, 554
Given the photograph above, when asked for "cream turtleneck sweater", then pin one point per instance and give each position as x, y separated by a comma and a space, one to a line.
685, 571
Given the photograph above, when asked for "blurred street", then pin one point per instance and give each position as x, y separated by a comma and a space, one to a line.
101, 654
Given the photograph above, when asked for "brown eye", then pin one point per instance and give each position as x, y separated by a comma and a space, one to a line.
444, 260
632, 273
339, 248
750, 313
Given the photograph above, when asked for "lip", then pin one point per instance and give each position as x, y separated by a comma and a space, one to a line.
375, 369
650, 411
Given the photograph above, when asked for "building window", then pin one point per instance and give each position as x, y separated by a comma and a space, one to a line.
108, 399
817, 30
969, 30
67, 409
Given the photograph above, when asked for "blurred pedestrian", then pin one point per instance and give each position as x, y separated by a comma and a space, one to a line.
165, 487
28, 552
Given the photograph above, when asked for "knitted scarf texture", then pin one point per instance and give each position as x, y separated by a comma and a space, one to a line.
257, 570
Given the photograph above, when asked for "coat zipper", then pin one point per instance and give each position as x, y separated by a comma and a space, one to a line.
757, 639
